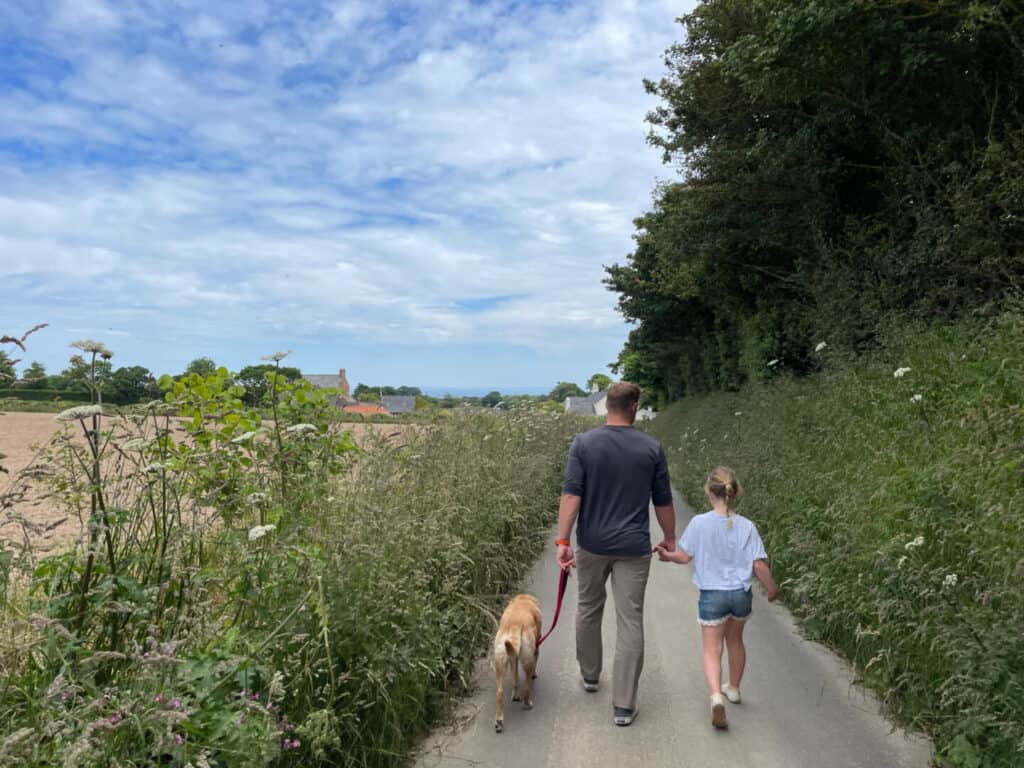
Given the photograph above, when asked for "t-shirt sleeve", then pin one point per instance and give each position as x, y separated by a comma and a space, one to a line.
661, 487
755, 546
688, 541
575, 475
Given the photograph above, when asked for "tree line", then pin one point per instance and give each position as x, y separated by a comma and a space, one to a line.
842, 166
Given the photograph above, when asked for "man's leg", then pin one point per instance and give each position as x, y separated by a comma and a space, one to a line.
629, 583
592, 571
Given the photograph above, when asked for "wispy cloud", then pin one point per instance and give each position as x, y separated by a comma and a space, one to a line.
225, 177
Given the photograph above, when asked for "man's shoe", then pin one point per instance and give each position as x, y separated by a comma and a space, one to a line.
732, 694
623, 716
590, 686
718, 718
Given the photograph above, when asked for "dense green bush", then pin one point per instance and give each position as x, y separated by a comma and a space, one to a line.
263, 593
63, 395
893, 511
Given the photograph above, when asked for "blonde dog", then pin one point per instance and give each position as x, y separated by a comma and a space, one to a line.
516, 641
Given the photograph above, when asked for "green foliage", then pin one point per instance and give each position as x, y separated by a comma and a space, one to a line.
491, 399
7, 371
133, 384
601, 380
253, 592
843, 163
204, 366
893, 521
258, 380
365, 389
564, 389
34, 375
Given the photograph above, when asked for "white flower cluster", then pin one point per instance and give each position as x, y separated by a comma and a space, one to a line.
276, 357
918, 542
899, 373
258, 532
820, 346
93, 347
950, 580
79, 412
917, 398
773, 363
247, 436
901, 561
302, 429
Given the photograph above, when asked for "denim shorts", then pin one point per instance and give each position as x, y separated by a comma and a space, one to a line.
716, 606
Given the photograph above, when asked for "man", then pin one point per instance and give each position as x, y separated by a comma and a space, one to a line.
612, 475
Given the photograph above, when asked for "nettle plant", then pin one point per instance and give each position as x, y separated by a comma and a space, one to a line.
153, 635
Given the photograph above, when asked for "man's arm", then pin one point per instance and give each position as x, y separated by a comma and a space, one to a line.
568, 509
667, 520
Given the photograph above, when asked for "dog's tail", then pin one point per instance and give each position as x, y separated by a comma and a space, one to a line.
513, 644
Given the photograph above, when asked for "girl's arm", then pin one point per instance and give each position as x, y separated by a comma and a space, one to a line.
764, 575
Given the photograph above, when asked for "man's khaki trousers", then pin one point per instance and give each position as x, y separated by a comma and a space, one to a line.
629, 583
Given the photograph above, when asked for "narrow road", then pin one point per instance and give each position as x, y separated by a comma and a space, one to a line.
800, 708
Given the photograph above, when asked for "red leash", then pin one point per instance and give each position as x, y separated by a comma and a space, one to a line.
563, 580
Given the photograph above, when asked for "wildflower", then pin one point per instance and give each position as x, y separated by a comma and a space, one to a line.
115, 718
820, 346
79, 412
93, 347
901, 561
918, 542
772, 363
179, 739
276, 357
258, 532
296, 743
917, 398
155, 467
899, 373
176, 704
245, 437
302, 429
738, 413
258, 497
950, 580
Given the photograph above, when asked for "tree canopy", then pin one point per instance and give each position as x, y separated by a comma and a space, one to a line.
840, 165
564, 389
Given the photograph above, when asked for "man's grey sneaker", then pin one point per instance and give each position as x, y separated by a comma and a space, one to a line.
718, 718
623, 716
590, 685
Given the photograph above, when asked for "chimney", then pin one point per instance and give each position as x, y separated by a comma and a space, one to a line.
594, 388
342, 382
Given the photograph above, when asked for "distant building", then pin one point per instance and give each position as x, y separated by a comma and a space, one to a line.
366, 409
338, 381
594, 404
399, 404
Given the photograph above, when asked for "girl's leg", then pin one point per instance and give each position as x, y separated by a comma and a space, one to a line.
713, 656
737, 651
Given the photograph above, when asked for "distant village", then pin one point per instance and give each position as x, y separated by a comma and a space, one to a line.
369, 403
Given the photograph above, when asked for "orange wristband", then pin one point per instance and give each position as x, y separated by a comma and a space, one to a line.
562, 542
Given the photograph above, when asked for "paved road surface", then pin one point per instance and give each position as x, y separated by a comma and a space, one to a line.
799, 707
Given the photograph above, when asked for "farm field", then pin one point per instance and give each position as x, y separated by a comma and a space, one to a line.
23, 435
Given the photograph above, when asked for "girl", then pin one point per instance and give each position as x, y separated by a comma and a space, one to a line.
727, 552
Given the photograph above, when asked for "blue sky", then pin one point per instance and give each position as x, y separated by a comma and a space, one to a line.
422, 192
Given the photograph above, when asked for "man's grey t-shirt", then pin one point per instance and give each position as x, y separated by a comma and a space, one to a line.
616, 472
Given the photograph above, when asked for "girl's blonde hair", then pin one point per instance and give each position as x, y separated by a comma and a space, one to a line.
723, 484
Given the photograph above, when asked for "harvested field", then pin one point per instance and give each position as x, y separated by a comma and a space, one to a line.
23, 435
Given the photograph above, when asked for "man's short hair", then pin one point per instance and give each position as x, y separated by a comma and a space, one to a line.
622, 395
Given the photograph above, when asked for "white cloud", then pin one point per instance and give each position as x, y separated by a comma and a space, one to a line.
352, 167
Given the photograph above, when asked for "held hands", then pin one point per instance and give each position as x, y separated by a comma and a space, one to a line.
667, 555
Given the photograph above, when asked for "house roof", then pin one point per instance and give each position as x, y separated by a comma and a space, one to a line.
367, 409
324, 380
585, 405
399, 403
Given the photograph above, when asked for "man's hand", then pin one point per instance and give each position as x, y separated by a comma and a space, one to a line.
773, 592
566, 558
669, 545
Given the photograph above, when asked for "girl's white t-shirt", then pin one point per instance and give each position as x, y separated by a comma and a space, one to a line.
723, 555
